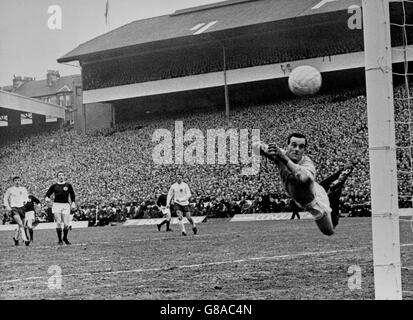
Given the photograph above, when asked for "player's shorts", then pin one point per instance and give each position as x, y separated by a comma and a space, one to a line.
320, 206
61, 212
61, 208
183, 209
30, 215
18, 212
166, 212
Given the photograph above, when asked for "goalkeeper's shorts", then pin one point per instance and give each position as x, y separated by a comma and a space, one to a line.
320, 206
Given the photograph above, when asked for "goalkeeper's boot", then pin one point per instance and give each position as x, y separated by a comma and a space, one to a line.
16, 241
335, 216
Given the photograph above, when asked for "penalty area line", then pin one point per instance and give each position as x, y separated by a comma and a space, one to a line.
205, 235
190, 266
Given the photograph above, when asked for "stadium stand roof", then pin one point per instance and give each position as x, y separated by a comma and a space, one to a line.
17, 102
191, 22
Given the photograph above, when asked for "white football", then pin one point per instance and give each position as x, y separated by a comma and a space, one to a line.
304, 81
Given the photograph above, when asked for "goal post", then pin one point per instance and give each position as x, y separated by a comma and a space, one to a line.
382, 150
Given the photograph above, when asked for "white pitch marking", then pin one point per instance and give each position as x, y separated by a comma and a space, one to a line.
204, 28
150, 239
200, 265
153, 239
128, 241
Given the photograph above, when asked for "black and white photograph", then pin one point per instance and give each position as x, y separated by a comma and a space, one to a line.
206, 154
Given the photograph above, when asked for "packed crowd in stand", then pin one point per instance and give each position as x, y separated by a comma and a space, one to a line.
240, 53
115, 177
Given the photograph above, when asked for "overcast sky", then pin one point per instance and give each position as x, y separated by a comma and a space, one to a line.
29, 48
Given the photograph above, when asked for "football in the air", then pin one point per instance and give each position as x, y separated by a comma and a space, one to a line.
304, 81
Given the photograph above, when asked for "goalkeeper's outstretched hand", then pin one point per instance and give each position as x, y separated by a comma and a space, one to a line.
262, 149
274, 150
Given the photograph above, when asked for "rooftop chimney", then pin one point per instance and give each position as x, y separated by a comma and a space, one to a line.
18, 81
52, 76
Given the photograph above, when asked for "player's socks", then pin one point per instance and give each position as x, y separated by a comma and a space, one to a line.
161, 224
17, 234
59, 235
194, 229
23, 233
65, 233
182, 225
168, 223
26, 232
16, 241
31, 234
24, 237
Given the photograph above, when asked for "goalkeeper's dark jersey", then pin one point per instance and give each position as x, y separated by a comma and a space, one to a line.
162, 200
61, 192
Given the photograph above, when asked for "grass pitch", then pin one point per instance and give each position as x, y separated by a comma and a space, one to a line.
225, 260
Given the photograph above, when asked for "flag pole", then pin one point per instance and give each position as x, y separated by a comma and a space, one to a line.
107, 16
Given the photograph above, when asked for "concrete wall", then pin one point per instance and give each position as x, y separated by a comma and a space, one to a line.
38, 119
13, 118
79, 109
11, 134
99, 116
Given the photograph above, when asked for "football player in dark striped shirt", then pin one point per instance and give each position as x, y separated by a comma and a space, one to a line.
30, 216
64, 201
161, 203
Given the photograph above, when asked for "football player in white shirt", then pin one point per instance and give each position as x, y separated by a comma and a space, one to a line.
180, 194
298, 175
15, 199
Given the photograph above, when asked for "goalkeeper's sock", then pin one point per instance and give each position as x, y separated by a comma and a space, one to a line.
31, 234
